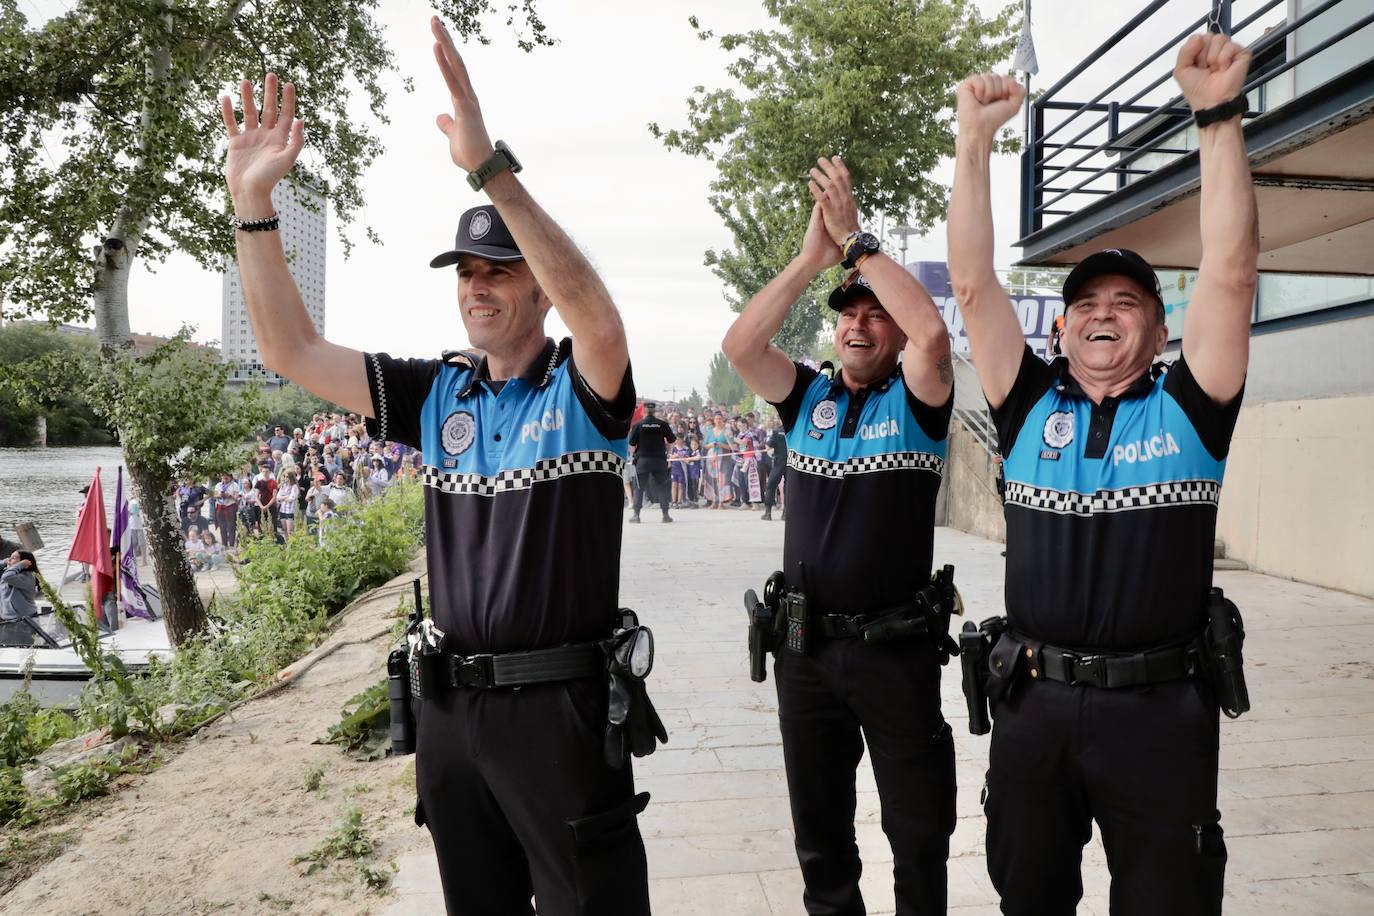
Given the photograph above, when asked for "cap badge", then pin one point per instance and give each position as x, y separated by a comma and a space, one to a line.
1059, 429
480, 225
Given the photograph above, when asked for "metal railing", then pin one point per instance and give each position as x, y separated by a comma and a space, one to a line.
1107, 138
970, 407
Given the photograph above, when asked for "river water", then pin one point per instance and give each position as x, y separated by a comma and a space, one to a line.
43, 486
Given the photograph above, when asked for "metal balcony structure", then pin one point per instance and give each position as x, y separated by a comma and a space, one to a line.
1111, 154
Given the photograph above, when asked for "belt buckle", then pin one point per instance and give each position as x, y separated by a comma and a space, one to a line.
1088, 669
473, 671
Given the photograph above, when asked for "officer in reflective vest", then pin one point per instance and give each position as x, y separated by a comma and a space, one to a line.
866, 454
1113, 468
524, 445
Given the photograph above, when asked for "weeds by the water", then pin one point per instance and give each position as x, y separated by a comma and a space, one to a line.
286, 597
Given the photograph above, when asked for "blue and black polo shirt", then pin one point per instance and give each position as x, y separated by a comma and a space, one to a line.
523, 494
862, 476
1111, 508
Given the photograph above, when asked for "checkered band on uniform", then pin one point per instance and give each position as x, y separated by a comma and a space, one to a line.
866, 464
511, 479
1061, 502
381, 396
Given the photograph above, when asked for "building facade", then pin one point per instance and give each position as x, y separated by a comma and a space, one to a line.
303, 224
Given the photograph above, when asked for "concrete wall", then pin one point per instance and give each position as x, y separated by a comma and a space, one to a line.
968, 495
1298, 500
1329, 360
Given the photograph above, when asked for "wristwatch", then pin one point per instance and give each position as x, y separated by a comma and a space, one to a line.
857, 245
496, 163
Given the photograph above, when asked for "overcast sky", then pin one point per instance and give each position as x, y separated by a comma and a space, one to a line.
576, 116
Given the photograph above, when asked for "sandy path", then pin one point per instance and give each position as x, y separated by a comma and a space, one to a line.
216, 828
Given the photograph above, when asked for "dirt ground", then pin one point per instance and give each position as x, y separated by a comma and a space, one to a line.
215, 829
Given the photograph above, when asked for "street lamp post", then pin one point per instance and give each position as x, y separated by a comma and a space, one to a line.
903, 233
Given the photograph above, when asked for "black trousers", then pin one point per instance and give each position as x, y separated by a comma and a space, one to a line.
520, 803
770, 489
891, 693
1141, 762
655, 478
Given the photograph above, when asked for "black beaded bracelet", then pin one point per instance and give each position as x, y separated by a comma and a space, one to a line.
1223, 112
262, 224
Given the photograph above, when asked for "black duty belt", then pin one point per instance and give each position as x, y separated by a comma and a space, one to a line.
515, 669
1116, 669
843, 626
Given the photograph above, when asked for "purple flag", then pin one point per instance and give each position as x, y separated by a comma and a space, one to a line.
131, 592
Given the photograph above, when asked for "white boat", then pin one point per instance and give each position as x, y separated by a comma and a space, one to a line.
56, 672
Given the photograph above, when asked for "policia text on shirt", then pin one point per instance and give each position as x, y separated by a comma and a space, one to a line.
1101, 704
524, 442
859, 630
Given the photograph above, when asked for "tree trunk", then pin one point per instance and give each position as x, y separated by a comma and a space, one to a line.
181, 606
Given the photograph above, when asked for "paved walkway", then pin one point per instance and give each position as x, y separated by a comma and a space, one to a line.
1297, 780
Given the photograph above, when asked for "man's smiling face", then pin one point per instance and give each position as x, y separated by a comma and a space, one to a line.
1114, 327
867, 340
500, 303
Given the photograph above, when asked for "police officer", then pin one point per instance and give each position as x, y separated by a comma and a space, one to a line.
1113, 468
650, 439
777, 443
866, 455
524, 446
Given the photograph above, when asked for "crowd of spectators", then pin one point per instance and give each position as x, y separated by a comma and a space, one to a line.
295, 482
722, 459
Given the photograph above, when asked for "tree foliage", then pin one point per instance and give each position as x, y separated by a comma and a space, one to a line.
110, 128
723, 384
291, 406
70, 420
870, 80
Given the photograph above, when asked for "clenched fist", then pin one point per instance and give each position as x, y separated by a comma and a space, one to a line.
1210, 70
986, 102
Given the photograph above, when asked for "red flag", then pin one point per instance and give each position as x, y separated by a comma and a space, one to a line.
91, 544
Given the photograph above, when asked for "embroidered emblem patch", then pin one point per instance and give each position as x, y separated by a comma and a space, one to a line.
458, 432
1059, 429
824, 415
480, 225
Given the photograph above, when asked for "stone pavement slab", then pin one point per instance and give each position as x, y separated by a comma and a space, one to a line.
1297, 777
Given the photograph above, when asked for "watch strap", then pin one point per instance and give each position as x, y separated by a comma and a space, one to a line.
1223, 112
501, 159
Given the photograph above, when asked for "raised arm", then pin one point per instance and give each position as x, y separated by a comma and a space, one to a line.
995, 339
582, 301
1216, 328
261, 152
748, 344
925, 360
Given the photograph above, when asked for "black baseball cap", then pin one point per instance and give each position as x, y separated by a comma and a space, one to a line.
854, 285
651, 405
481, 232
1121, 261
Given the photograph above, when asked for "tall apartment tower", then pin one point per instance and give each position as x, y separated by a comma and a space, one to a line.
303, 238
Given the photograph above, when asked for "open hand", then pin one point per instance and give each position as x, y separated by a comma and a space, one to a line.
1211, 69
986, 102
818, 249
831, 187
263, 151
468, 142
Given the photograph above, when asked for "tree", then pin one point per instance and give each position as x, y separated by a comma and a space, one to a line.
870, 80
693, 401
70, 420
291, 406
723, 384
112, 147
176, 422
